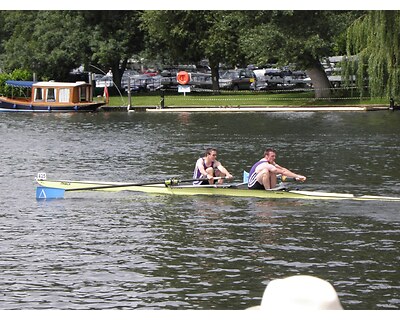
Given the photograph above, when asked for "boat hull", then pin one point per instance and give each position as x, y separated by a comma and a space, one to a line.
215, 190
8, 105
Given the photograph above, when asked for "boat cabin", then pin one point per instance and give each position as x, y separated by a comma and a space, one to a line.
61, 92
52, 92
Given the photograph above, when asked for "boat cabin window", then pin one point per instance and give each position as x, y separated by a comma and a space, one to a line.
38, 95
83, 94
51, 94
64, 95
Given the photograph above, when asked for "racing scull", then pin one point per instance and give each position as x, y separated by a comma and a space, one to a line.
56, 188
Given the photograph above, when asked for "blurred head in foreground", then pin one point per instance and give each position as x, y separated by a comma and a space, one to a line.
303, 293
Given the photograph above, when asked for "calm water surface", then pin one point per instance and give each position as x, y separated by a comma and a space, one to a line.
103, 250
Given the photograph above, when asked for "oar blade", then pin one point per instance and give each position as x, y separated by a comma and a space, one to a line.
245, 176
44, 193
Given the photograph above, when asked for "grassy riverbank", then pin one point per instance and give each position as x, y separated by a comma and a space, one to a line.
241, 99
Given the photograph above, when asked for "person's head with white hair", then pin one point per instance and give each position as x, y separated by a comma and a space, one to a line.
301, 292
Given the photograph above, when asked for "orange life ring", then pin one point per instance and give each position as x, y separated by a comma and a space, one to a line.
183, 77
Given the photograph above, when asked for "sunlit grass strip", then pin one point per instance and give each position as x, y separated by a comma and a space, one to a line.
242, 99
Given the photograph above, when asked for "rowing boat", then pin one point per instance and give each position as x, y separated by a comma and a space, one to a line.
50, 189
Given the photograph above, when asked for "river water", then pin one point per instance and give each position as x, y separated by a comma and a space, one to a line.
104, 250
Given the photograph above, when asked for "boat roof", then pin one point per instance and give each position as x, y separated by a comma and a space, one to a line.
59, 84
20, 84
30, 84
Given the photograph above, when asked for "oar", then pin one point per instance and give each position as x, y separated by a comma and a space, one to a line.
58, 193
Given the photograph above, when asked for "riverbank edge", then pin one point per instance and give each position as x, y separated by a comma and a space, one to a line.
272, 108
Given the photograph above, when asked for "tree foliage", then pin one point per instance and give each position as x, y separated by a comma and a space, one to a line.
259, 37
114, 37
51, 43
171, 37
374, 39
295, 36
300, 37
17, 74
189, 36
47, 42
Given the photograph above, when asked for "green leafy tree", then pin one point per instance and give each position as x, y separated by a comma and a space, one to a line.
237, 37
49, 43
300, 37
221, 41
374, 39
16, 74
115, 37
189, 36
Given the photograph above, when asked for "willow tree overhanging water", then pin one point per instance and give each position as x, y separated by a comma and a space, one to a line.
374, 38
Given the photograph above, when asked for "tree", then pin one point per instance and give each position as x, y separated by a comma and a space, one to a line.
221, 41
375, 40
189, 36
300, 37
52, 43
49, 43
115, 37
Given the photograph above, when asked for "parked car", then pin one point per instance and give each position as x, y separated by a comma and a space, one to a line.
261, 83
278, 78
300, 79
200, 81
103, 81
275, 78
107, 80
151, 72
136, 83
240, 79
154, 83
169, 82
171, 71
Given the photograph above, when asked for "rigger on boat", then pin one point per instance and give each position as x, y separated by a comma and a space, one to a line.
55, 189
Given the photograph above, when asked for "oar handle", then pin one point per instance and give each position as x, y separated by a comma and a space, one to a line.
286, 178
